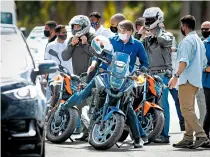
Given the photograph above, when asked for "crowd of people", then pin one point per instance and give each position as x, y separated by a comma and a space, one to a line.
147, 40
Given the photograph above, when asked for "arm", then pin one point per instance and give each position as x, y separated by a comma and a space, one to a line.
67, 53
142, 55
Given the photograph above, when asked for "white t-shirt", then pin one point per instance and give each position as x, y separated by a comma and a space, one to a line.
104, 32
59, 48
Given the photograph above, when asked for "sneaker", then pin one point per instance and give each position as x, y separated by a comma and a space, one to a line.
162, 139
183, 144
83, 138
77, 131
206, 144
145, 139
199, 142
138, 143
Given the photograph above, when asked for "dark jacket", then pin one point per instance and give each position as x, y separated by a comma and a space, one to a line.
159, 51
80, 54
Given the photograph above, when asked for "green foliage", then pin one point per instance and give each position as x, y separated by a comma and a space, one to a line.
131, 13
109, 10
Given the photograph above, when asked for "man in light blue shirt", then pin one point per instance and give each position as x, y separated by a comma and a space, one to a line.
191, 62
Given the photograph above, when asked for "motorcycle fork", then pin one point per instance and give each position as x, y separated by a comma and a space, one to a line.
60, 93
105, 109
144, 98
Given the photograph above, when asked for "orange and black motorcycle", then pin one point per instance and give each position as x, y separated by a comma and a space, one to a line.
61, 126
147, 93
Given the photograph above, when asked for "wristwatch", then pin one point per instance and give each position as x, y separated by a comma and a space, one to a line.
176, 75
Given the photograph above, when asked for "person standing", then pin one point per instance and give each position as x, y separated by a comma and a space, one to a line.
95, 20
49, 30
206, 87
141, 31
158, 47
191, 61
114, 20
205, 31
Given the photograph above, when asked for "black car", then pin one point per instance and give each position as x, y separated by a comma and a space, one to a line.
23, 104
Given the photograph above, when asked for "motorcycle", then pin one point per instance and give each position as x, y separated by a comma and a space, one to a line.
115, 85
60, 127
148, 92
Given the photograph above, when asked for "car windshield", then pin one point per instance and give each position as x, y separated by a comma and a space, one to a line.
6, 18
13, 53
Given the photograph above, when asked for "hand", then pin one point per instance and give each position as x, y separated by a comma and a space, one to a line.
84, 39
90, 69
142, 30
172, 83
207, 69
74, 41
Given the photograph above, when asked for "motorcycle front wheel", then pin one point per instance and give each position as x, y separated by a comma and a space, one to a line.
104, 136
59, 129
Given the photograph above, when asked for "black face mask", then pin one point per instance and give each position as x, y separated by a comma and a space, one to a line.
205, 34
46, 33
183, 33
137, 36
113, 29
62, 37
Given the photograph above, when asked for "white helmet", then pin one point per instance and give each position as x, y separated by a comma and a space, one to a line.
81, 20
101, 45
153, 16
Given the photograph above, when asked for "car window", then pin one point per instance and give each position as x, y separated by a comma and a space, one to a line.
6, 17
15, 57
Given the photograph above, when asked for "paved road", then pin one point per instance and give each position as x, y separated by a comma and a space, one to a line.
80, 149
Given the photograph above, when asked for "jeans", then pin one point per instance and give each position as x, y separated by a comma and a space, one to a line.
165, 105
132, 119
201, 104
174, 93
206, 124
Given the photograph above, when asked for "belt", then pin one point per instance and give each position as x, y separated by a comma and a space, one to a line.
154, 72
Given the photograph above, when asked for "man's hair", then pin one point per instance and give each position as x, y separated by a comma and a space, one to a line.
58, 28
140, 22
95, 14
51, 24
189, 21
118, 17
126, 25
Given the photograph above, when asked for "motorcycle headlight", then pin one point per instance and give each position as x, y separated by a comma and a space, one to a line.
28, 92
116, 83
140, 80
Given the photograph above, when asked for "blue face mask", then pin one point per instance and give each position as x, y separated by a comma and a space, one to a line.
94, 24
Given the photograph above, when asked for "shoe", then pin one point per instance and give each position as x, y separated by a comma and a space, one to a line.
83, 138
145, 139
199, 142
162, 139
206, 144
138, 143
183, 144
77, 131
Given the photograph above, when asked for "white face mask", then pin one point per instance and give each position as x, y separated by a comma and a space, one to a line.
123, 36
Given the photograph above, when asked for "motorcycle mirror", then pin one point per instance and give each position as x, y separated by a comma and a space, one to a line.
53, 53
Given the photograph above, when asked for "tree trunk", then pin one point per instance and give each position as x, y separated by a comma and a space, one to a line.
185, 8
196, 12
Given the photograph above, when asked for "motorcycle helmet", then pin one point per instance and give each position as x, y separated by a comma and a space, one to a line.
153, 17
81, 20
102, 45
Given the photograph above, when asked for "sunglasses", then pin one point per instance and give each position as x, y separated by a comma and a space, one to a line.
204, 29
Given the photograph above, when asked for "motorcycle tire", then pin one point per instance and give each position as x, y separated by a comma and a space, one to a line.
119, 127
72, 123
158, 126
124, 135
